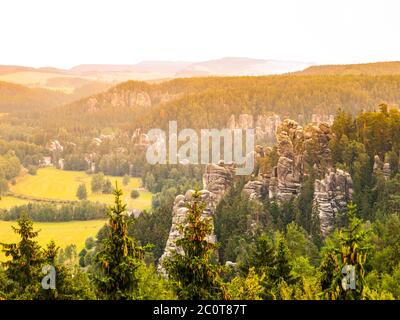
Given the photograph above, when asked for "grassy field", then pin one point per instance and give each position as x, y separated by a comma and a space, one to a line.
63, 233
52, 183
8, 202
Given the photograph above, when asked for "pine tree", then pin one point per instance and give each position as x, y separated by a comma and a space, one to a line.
352, 251
26, 259
194, 276
119, 258
261, 257
282, 269
71, 283
329, 269
26, 256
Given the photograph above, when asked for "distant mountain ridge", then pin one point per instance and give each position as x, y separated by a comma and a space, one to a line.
375, 68
228, 66
233, 66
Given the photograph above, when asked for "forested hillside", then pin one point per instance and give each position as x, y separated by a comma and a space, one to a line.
208, 102
15, 98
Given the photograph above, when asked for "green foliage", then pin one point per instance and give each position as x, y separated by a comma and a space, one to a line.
125, 180
23, 271
25, 258
46, 212
246, 288
97, 182
354, 244
193, 275
118, 260
32, 170
135, 194
152, 286
107, 187
81, 193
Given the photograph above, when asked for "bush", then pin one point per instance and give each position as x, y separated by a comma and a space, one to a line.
125, 180
81, 193
97, 182
107, 187
135, 194
32, 170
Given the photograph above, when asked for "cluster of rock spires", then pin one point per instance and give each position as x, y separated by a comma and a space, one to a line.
266, 126
331, 195
295, 146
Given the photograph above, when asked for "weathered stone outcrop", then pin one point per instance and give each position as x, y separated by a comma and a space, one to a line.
286, 176
255, 189
296, 146
319, 118
264, 125
331, 195
217, 180
382, 167
129, 96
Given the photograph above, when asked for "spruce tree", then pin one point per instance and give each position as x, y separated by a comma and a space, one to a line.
329, 269
26, 256
352, 251
193, 274
117, 262
282, 268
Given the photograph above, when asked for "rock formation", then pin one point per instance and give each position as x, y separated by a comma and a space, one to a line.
264, 125
331, 195
217, 180
296, 147
382, 167
286, 176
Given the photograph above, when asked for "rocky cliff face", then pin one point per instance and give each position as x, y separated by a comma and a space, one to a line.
217, 180
264, 125
296, 147
331, 195
130, 97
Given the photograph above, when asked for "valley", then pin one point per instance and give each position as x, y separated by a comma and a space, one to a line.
326, 159
52, 184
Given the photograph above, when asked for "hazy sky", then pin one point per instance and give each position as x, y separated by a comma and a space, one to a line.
64, 33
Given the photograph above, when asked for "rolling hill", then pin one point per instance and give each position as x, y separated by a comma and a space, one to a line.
14, 97
377, 68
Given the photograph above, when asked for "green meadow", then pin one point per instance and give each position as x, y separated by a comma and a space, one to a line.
54, 184
63, 233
